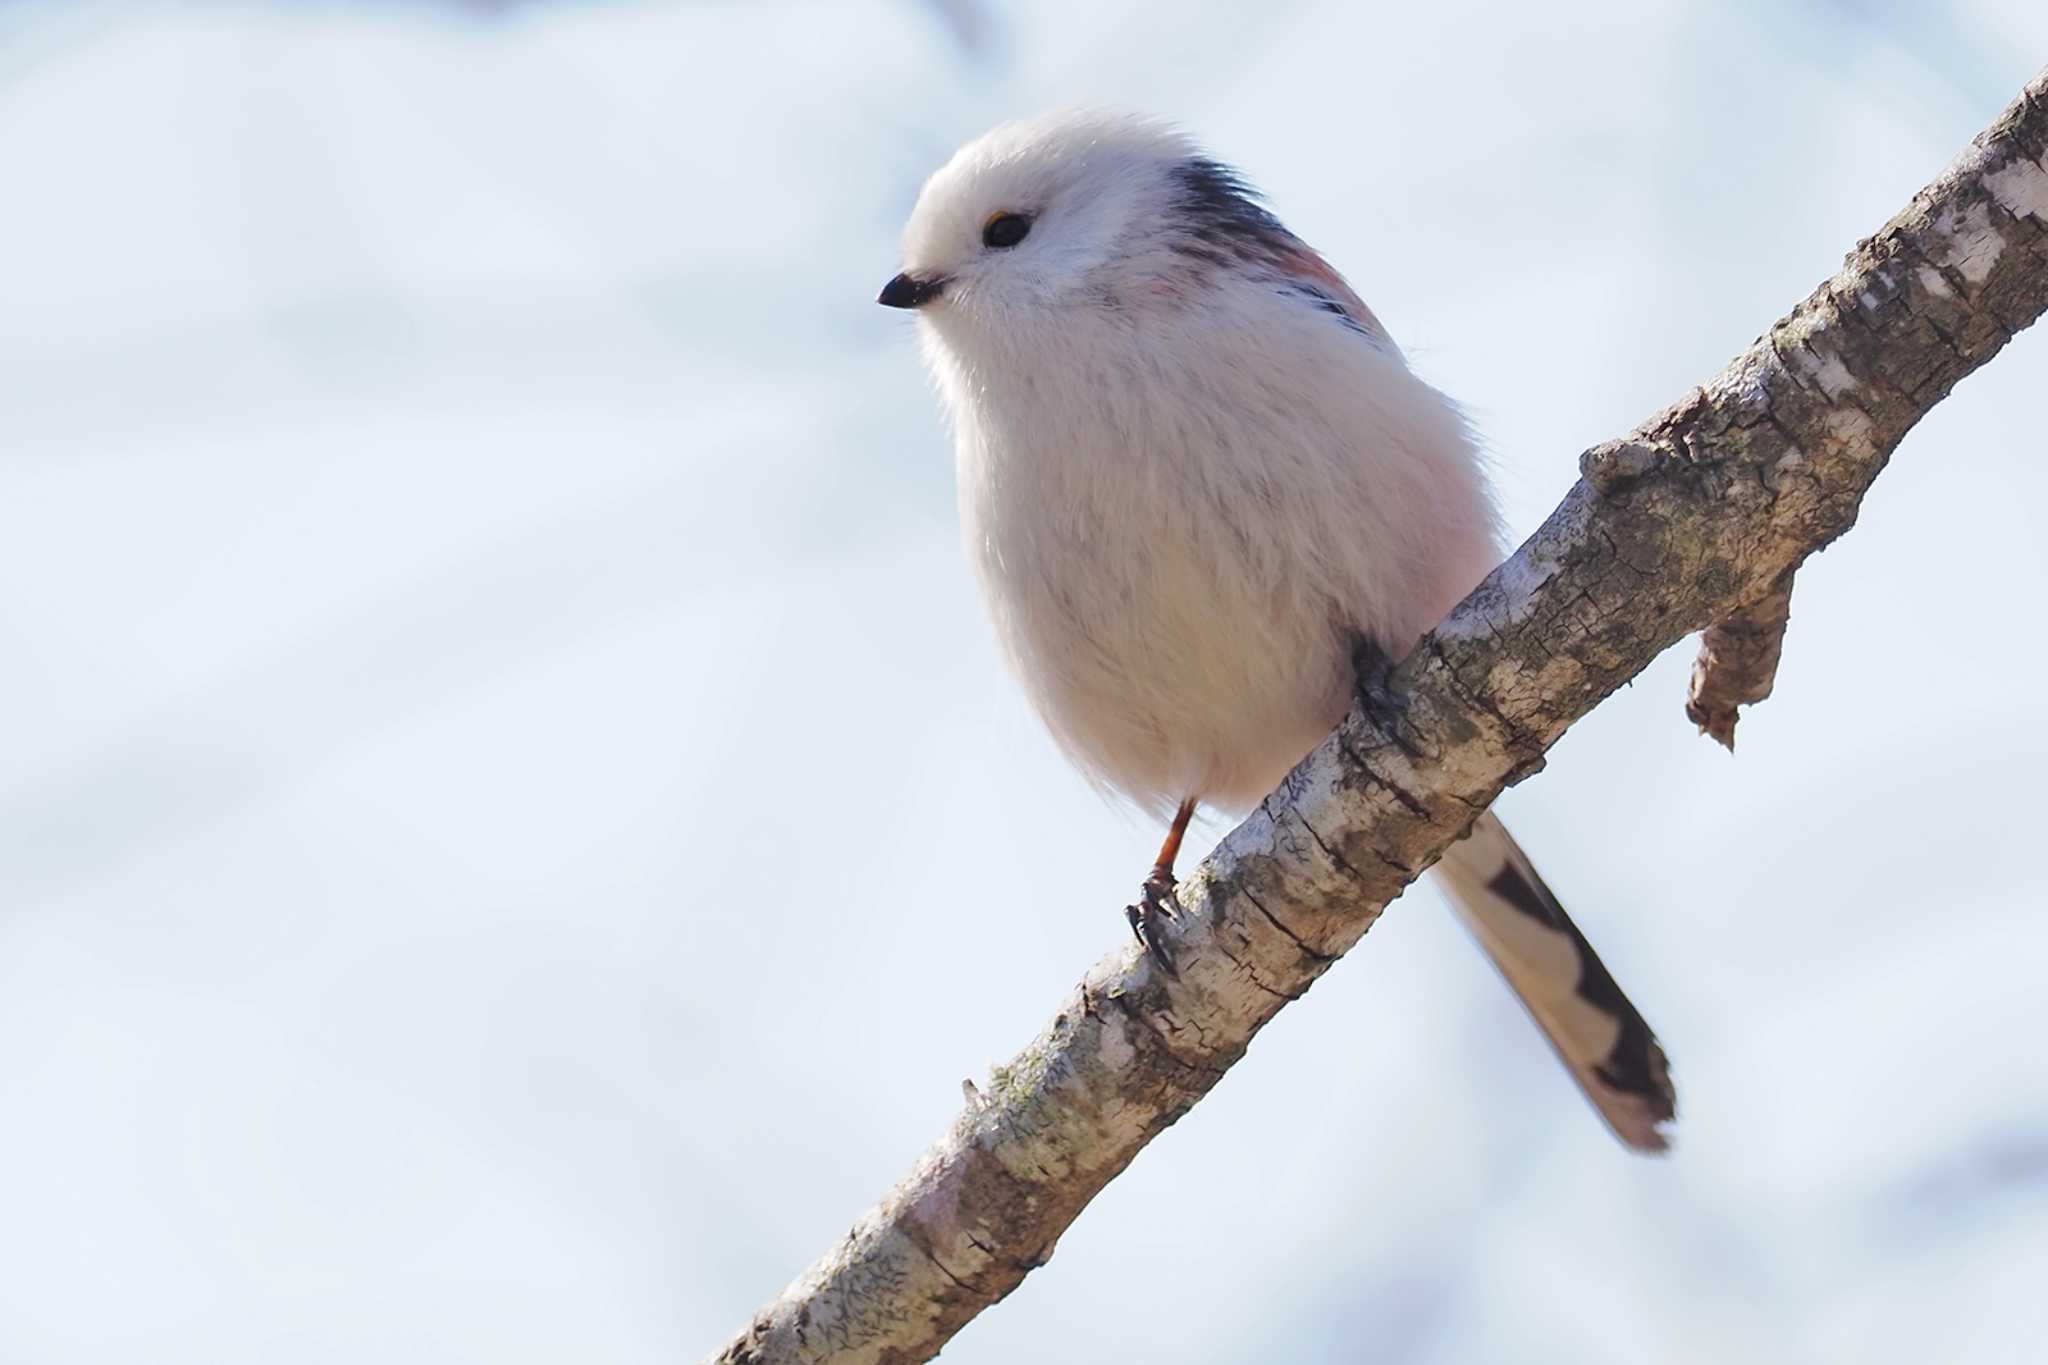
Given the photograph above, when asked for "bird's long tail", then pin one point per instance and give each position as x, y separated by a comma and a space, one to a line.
1603, 1041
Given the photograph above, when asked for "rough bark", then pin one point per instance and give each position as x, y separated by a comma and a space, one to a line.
1738, 662
1701, 512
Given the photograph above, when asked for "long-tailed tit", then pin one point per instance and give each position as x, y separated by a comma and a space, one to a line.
1195, 472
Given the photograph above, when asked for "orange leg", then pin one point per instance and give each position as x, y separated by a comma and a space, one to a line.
1170, 850
1156, 899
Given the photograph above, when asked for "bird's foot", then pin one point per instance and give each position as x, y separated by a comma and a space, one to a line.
1157, 902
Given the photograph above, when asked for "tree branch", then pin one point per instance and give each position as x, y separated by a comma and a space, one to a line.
1700, 513
1738, 662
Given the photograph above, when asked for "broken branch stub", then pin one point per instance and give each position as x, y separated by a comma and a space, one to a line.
1687, 522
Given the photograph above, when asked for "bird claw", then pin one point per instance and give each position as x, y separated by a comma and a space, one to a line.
1158, 901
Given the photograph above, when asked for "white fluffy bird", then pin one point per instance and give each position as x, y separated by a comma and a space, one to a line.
1195, 472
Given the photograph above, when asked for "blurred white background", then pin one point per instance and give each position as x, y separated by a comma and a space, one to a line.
503, 764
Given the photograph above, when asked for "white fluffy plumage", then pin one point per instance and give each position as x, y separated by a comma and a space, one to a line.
1194, 471
1179, 546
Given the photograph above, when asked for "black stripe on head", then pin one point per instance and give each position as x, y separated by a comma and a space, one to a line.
1221, 218
1636, 1064
1219, 221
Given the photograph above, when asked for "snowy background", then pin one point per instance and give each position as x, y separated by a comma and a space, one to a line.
500, 759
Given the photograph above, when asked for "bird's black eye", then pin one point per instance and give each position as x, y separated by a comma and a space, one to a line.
1004, 229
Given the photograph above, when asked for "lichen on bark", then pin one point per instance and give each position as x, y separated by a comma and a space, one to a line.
1687, 523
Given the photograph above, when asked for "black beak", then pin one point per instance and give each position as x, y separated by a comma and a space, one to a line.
906, 292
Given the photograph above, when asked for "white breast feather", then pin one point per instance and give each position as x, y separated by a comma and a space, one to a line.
1180, 517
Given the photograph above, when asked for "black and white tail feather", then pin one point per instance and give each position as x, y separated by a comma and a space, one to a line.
1194, 472
1601, 1038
